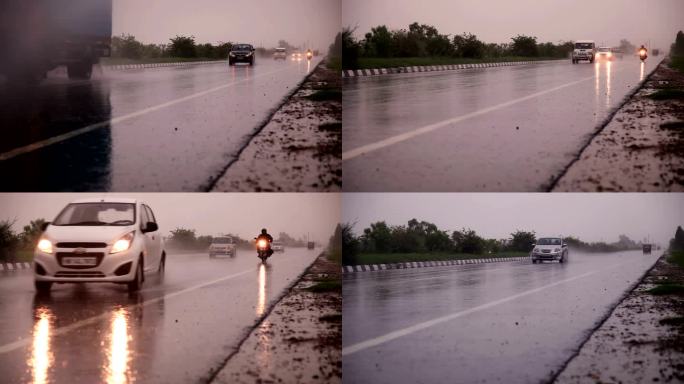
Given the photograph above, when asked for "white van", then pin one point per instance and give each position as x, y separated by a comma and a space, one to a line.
584, 50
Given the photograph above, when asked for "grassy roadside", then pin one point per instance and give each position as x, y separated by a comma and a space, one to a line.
392, 62
387, 258
123, 61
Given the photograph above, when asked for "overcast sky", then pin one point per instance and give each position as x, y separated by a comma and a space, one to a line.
260, 22
589, 216
208, 213
496, 21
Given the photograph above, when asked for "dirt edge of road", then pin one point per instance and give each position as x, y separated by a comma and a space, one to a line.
299, 339
299, 146
635, 149
640, 340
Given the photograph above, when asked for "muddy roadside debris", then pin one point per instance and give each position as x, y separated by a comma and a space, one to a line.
300, 341
642, 147
300, 148
642, 341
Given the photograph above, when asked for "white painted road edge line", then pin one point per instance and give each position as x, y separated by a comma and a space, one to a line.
59, 138
365, 149
427, 324
81, 323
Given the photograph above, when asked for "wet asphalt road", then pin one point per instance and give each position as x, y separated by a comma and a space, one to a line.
176, 330
486, 323
157, 129
492, 129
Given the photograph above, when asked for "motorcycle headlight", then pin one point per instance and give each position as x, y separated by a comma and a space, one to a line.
123, 243
45, 246
261, 243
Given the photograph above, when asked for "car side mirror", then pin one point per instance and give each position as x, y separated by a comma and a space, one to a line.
151, 227
44, 226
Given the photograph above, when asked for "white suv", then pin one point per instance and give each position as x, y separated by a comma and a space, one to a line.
99, 240
584, 50
551, 249
222, 245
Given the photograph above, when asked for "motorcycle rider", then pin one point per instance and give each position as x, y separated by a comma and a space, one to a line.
643, 49
264, 235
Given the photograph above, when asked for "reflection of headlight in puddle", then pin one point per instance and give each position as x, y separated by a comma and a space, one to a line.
41, 356
118, 349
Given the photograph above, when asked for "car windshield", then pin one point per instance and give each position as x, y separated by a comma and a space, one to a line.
242, 47
222, 240
549, 241
604, 49
94, 214
280, 49
277, 243
584, 45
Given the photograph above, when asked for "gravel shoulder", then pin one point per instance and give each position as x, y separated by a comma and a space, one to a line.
642, 341
641, 148
300, 148
300, 341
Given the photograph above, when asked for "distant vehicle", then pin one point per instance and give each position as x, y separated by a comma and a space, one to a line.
655, 51
643, 53
296, 55
604, 53
38, 36
222, 245
646, 248
584, 50
617, 52
99, 240
550, 249
264, 250
278, 246
241, 53
309, 54
280, 54
310, 245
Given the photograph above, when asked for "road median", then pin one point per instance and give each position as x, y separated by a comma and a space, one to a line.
365, 72
430, 263
300, 339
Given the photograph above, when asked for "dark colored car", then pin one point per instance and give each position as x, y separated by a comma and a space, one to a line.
241, 53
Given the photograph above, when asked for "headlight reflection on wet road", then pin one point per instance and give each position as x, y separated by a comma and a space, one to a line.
261, 299
641, 72
41, 356
117, 370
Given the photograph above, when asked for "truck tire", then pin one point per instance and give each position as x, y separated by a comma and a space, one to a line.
82, 70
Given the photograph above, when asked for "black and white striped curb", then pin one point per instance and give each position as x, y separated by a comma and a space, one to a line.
421, 264
14, 267
348, 73
119, 67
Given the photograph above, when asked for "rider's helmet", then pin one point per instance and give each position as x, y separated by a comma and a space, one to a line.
264, 231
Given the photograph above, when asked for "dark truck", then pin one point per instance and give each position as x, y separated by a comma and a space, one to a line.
646, 248
39, 35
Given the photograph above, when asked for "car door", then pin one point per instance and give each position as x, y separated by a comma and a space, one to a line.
150, 239
156, 239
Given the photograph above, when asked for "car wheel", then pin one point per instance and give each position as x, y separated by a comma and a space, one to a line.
43, 286
162, 264
137, 281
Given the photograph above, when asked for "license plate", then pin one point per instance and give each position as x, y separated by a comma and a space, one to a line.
79, 261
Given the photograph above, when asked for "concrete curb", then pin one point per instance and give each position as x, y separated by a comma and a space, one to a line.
351, 73
159, 65
14, 267
422, 264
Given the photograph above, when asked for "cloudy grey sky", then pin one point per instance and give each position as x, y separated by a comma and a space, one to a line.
590, 216
260, 22
208, 213
606, 21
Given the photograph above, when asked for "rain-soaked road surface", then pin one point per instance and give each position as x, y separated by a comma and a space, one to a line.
174, 331
485, 323
491, 129
156, 129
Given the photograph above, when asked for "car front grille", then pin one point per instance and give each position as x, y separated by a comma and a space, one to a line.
81, 245
97, 255
79, 274
546, 251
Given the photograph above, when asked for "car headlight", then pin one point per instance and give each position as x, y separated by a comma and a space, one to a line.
556, 250
124, 243
249, 54
45, 246
231, 54
536, 250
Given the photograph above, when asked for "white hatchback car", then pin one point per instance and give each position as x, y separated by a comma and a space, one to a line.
99, 240
551, 249
278, 246
222, 245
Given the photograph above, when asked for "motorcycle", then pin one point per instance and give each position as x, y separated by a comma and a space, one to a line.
309, 55
642, 54
263, 249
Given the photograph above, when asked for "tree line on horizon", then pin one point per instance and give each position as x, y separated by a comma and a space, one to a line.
422, 40
425, 237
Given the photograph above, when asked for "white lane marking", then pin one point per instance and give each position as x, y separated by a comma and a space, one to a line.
427, 324
81, 323
364, 149
66, 136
